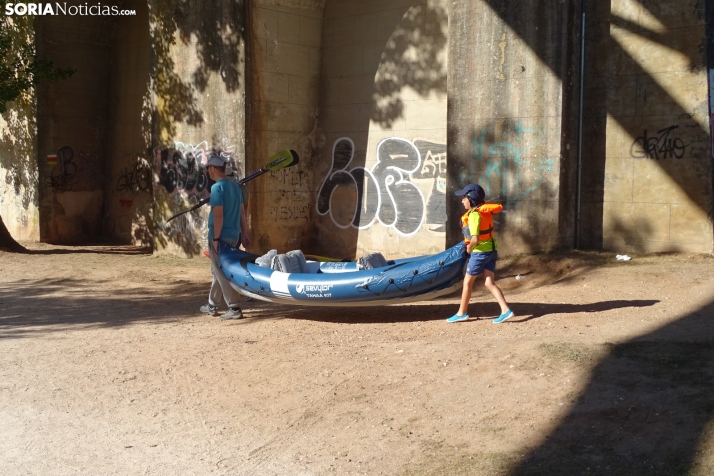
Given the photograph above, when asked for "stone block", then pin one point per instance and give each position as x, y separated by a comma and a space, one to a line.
661, 94
618, 182
425, 114
288, 28
276, 87
342, 60
311, 32
266, 24
302, 90
356, 89
691, 225
289, 59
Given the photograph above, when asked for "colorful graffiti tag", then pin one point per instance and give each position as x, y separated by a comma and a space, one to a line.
181, 168
69, 168
389, 193
507, 174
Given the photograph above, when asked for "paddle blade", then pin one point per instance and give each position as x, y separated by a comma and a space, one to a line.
282, 159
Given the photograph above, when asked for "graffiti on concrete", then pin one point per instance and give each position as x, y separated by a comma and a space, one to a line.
136, 179
289, 212
507, 171
389, 193
71, 168
190, 228
660, 146
181, 168
62, 176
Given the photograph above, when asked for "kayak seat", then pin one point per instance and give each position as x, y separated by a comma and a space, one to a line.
291, 262
372, 261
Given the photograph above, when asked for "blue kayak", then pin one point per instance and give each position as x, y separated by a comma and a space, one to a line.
343, 284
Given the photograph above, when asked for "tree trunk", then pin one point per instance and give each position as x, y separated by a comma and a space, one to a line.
7, 242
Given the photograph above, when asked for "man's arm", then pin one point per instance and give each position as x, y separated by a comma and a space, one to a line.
217, 224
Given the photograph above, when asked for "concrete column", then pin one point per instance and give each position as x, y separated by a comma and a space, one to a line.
72, 120
647, 157
513, 82
381, 181
198, 83
285, 56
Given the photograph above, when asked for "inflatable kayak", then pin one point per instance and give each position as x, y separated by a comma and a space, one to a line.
316, 283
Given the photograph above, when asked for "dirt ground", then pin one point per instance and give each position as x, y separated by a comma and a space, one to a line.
108, 367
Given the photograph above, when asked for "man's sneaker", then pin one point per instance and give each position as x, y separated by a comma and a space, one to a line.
506, 315
210, 310
457, 318
233, 313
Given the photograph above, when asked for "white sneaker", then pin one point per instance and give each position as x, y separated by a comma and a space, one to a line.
233, 313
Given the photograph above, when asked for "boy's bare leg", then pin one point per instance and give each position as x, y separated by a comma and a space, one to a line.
466, 293
490, 283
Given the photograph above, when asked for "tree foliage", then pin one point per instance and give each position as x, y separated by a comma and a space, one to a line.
20, 70
20, 67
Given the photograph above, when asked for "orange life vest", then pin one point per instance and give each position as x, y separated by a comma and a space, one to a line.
485, 228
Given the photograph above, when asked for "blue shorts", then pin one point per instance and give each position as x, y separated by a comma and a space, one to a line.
479, 261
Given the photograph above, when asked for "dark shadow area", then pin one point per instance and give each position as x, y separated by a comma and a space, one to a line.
607, 64
644, 411
99, 249
33, 306
529, 311
435, 311
512, 170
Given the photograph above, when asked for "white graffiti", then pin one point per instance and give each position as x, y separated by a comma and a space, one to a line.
387, 193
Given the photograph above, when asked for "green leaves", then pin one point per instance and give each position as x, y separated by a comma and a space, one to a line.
20, 67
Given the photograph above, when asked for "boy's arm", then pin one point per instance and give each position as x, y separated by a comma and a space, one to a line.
474, 224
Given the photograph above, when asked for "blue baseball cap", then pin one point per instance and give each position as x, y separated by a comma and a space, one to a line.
474, 192
216, 161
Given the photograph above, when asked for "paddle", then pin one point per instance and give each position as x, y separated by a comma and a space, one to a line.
279, 160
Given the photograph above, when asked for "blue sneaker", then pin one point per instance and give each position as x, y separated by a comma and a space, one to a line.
457, 318
506, 315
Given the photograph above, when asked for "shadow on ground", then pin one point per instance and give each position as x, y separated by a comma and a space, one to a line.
30, 306
432, 311
646, 411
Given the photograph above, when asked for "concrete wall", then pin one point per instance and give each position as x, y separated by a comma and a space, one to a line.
18, 171
198, 104
381, 180
19, 179
513, 117
72, 117
128, 201
285, 57
359, 90
648, 175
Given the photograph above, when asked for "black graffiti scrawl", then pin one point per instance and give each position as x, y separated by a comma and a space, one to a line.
662, 145
182, 169
388, 193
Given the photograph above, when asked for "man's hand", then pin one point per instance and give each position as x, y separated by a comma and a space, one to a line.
245, 241
216, 245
